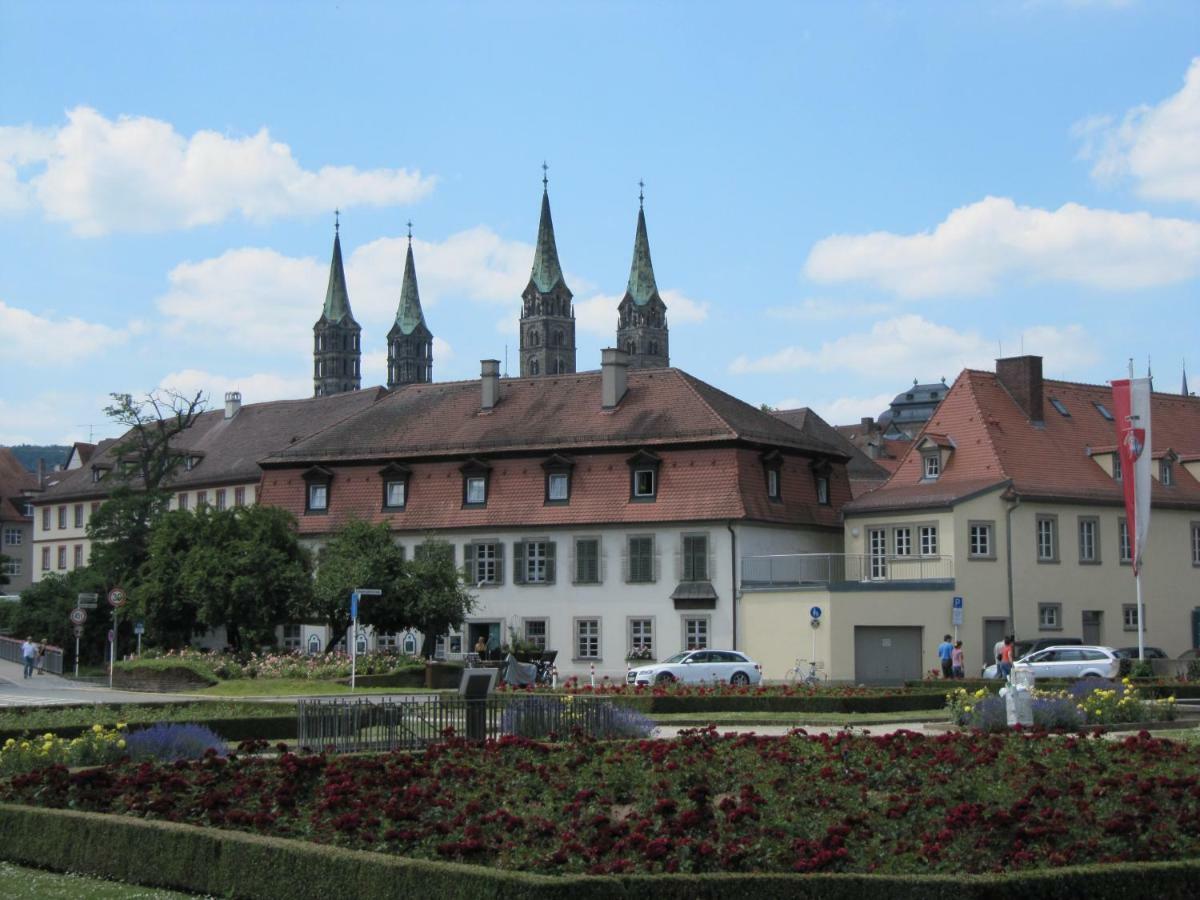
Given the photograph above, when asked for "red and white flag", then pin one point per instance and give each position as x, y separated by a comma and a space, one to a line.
1131, 407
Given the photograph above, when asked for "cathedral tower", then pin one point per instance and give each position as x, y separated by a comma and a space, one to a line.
410, 342
336, 352
547, 319
642, 315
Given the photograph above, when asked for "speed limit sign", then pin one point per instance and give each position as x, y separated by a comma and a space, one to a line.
78, 616
116, 598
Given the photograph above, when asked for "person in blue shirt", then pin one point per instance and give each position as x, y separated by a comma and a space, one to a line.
946, 654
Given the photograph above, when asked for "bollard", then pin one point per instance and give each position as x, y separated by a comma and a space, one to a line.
593, 674
554, 678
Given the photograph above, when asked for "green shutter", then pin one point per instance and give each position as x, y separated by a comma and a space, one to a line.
549, 562
469, 564
500, 562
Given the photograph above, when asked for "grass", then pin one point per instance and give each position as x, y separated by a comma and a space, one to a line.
799, 719
292, 687
16, 881
47, 718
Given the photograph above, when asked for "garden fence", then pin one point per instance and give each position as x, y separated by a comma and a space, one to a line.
357, 726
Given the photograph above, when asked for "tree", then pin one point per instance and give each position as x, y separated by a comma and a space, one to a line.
242, 568
145, 459
358, 555
3, 570
45, 606
431, 597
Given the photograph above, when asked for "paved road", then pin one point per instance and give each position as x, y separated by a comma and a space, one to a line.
51, 690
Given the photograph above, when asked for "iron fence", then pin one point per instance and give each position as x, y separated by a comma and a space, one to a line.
366, 725
10, 650
795, 569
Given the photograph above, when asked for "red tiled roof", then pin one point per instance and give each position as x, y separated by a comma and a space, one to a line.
996, 443
14, 478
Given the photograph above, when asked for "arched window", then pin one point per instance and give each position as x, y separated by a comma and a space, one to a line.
654, 348
314, 645
533, 367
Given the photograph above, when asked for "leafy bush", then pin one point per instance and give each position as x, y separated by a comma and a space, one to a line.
1089, 701
94, 747
169, 741
1141, 668
231, 666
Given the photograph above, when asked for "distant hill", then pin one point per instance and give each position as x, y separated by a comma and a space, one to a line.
29, 454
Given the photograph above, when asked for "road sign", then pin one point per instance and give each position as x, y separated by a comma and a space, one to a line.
354, 605
117, 598
87, 601
956, 611
78, 617
78, 634
815, 612
139, 627
957, 603
112, 635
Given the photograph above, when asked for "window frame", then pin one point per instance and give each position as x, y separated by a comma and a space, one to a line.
988, 528
78, 515
46, 559
575, 568
1083, 523
181, 500
1051, 521
219, 498
77, 556
577, 635
496, 559
542, 641
1057, 615
1195, 533
13, 536
1124, 542
47, 518
650, 559
1166, 473
62, 518
772, 463
705, 621
640, 464
906, 531
1126, 623
931, 465
314, 477
688, 553
239, 496
557, 467
927, 540
527, 552
632, 624
391, 475
62, 557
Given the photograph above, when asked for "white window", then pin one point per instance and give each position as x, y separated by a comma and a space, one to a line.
695, 633
1088, 544
535, 633
46, 513
386, 641
587, 638
314, 645
933, 465
410, 644
318, 497
220, 498
77, 555
12, 566
1124, 547
487, 562
823, 490
980, 543
536, 562
902, 541
62, 557
12, 537
78, 515
27, 510
292, 638
877, 542
395, 494
62, 517
45, 559
643, 483
641, 639
929, 540
773, 483
1047, 539
476, 490
1164, 472
1129, 616
1116, 466
557, 484
1050, 616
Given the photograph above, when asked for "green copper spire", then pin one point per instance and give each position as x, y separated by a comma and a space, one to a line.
337, 298
546, 270
408, 313
641, 274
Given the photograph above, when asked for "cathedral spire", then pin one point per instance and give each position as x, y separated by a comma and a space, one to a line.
642, 315
408, 313
547, 319
546, 269
337, 356
337, 297
410, 342
641, 285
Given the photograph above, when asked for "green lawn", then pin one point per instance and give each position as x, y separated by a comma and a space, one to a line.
291, 687
16, 881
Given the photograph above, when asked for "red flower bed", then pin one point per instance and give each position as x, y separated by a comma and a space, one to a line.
606, 687
901, 803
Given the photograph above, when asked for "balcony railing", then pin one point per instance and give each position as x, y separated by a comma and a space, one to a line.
817, 569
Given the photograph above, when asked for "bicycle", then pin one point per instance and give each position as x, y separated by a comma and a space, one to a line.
804, 672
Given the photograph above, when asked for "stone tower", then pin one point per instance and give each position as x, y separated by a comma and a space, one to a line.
642, 315
547, 319
337, 355
410, 342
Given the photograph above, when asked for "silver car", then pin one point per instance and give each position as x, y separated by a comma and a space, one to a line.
1067, 662
695, 666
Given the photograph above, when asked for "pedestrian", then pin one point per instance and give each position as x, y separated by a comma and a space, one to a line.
1004, 667
996, 651
41, 657
956, 657
945, 651
28, 655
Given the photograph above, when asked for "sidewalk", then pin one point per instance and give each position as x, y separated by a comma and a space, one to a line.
53, 690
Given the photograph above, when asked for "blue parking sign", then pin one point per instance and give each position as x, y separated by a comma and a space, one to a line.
958, 604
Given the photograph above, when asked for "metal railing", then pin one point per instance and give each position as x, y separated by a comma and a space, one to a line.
798, 569
10, 650
364, 726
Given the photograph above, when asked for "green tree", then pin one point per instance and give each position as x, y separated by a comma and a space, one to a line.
3, 570
242, 568
431, 597
358, 555
45, 606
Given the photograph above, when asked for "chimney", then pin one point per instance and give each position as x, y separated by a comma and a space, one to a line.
867, 424
614, 374
41, 473
233, 402
490, 381
1022, 378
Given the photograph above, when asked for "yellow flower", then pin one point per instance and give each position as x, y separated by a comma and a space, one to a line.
121, 745
966, 709
121, 726
9, 743
97, 728
48, 746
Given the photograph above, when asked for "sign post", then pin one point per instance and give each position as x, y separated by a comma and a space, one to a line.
116, 599
815, 620
78, 616
956, 615
354, 598
139, 628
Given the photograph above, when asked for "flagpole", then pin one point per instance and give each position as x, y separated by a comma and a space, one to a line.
1141, 626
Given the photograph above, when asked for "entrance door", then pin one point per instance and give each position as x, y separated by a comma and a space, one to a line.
887, 654
993, 633
490, 632
877, 542
1093, 627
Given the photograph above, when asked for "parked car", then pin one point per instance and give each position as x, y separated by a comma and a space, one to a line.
1067, 662
694, 666
1151, 653
1022, 649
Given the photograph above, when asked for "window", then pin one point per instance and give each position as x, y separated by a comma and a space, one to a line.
932, 465
78, 554
1089, 543
292, 638
393, 494
189, 463
533, 562
535, 633
317, 480
695, 557
641, 639
201, 499
27, 510
587, 638
12, 537
979, 540
823, 490
1103, 410
877, 544
1129, 616
643, 483
62, 517
318, 497
239, 496
902, 541
643, 475
410, 644
220, 495
1196, 543
558, 485
314, 644
78, 515
640, 569
183, 500
484, 563
695, 633
1116, 466
773, 484
12, 566
1047, 538
97, 474
1164, 472
929, 540
46, 514
62, 557
1061, 407
95, 507
1050, 616
1124, 547
475, 491
386, 641
45, 559
587, 561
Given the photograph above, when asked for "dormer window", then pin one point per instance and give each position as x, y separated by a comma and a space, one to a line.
643, 476
823, 490
395, 486
1116, 466
317, 483
1164, 472
558, 479
318, 497
772, 462
189, 463
1103, 410
98, 473
643, 483
476, 474
931, 466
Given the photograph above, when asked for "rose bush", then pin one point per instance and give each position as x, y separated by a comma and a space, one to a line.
1089, 701
956, 803
606, 687
325, 666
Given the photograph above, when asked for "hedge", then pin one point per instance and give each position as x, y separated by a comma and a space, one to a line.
413, 677
680, 703
235, 864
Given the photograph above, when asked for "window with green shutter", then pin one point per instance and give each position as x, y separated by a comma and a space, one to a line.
695, 557
641, 559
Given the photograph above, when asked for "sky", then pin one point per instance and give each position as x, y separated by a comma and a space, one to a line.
840, 197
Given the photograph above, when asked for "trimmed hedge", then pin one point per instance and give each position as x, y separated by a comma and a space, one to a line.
235, 864
670, 703
406, 678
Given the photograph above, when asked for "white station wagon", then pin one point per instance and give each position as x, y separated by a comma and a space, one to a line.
695, 666
1067, 662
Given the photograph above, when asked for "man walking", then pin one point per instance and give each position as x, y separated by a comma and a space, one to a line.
29, 654
946, 654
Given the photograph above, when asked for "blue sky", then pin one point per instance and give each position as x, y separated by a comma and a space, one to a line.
841, 197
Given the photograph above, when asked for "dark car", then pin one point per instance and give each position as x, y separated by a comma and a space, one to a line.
1150, 653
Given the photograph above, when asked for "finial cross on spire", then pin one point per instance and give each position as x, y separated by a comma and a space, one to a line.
641, 192
336, 223
545, 178
409, 223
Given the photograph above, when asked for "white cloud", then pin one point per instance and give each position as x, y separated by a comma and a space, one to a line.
979, 245
827, 309
28, 335
55, 417
135, 173
842, 410
598, 314
903, 347
682, 310
1156, 146
442, 351
256, 387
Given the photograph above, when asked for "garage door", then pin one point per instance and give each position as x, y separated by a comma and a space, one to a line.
886, 654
